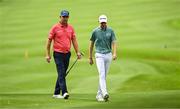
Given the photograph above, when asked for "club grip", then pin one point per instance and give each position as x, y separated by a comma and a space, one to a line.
82, 53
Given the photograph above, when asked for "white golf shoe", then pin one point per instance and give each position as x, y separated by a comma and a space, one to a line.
58, 96
99, 98
65, 95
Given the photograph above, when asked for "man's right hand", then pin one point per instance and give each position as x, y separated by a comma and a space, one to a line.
48, 59
91, 61
79, 55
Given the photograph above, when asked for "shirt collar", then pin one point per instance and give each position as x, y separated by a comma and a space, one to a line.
62, 25
102, 29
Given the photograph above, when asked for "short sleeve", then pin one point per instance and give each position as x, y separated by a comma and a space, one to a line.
51, 33
113, 37
92, 36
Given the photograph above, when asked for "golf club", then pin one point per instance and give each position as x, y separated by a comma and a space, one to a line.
82, 54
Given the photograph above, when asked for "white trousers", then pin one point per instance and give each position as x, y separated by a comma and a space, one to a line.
103, 62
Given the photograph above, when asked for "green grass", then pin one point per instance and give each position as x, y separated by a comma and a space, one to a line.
145, 75
164, 99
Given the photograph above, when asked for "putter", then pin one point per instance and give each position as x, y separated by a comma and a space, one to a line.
73, 64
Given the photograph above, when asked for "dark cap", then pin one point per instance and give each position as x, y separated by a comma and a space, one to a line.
64, 13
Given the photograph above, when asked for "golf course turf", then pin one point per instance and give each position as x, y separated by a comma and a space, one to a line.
146, 73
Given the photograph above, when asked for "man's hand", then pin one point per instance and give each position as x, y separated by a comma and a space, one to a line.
48, 59
91, 61
114, 57
79, 55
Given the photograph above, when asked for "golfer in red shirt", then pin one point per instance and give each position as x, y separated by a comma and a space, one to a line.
62, 34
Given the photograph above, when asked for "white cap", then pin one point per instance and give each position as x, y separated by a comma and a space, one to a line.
102, 18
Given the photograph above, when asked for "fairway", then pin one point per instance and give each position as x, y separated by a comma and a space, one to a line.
146, 73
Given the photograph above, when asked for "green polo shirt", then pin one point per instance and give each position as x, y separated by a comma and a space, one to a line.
103, 39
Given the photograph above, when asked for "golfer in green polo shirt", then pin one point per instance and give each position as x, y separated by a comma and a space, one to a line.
104, 39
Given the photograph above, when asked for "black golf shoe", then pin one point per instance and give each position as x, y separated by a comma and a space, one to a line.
106, 97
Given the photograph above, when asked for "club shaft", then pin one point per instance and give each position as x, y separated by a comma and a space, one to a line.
71, 66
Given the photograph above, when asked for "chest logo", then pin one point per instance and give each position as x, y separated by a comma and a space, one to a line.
108, 34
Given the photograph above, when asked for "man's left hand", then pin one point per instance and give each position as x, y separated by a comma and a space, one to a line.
114, 57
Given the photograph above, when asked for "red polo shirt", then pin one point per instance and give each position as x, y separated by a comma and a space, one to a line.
61, 36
